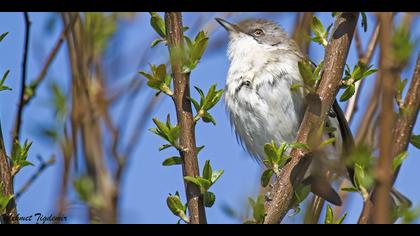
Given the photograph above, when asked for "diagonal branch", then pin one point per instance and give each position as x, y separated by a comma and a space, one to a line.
187, 142
292, 174
388, 77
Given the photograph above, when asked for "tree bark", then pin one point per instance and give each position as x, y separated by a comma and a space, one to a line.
187, 144
315, 114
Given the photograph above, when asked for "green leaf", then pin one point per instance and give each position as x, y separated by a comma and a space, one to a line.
321, 34
295, 87
266, 177
176, 207
415, 140
198, 150
301, 192
208, 118
327, 142
216, 175
329, 217
364, 21
3, 35
258, 209
351, 189
317, 26
306, 72
200, 45
209, 199
397, 161
270, 152
4, 201
158, 24
162, 128
341, 219
174, 160
302, 146
2, 86
202, 183
348, 93
164, 146
156, 42
207, 171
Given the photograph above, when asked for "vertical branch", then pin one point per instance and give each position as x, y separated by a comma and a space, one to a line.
18, 120
302, 31
7, 184
383, 170
365, 59
173, 21
315, 114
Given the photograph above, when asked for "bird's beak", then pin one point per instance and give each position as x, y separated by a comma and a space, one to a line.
228, 26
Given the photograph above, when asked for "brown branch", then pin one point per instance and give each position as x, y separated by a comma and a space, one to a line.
315, 114
19, 112
302, 31
365, 59
400, 135
407, 120
351, 107
173, 21
383, 170
7, 184
51, 56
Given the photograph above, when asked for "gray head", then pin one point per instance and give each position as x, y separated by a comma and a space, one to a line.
263, 31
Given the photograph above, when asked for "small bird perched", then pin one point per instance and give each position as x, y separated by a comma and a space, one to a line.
261, 104
263, 107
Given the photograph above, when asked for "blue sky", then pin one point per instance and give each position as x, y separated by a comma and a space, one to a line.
147, 183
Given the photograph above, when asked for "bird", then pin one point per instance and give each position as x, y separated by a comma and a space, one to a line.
262, 107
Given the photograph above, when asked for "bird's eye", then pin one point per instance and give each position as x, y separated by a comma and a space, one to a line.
258, 32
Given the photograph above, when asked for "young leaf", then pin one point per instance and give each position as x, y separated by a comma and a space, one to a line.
364, 21
397, 161
164, 146
216, 175
174, 160
350, 189
207, 171
209, 199
266, 177
305, 72
3, 35
176, 207
415, 140
341, 219
329, 216
348, 93
156, 42
258, 209
327, 142
158, 24
2, 86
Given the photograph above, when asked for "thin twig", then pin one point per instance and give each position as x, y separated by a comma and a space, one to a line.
365, 59
315, 114
31, 180
18, 120
187, 142
51, 56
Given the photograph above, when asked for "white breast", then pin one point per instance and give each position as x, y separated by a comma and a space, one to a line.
266, 110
